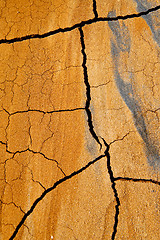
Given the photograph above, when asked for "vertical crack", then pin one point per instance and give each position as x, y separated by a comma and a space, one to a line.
113, 188
89, 115
95, 9
93, 133
88, 90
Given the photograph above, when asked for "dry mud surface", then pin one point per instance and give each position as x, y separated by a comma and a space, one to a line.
80, 110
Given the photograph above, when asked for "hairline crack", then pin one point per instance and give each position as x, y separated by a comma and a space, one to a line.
142, 180
87, 108
57, 183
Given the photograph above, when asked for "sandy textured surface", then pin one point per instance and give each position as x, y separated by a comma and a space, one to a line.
79, 129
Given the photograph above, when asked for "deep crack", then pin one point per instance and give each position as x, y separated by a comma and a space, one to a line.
93, 133
106, 154
29, 212
88, 90
95, 9
113, 188
79, 25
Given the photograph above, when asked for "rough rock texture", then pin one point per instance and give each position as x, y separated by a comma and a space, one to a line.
79, 129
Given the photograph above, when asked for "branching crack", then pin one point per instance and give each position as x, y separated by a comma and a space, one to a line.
12, 203
36, 180
34, 152
50, 159
106, 154
93, 133
29, 212
78, 25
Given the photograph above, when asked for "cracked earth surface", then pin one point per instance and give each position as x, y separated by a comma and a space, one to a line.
79, 130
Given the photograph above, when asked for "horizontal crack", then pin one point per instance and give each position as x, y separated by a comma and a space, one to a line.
28, 213
79, 25
100, 85
136, 180
44, 112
